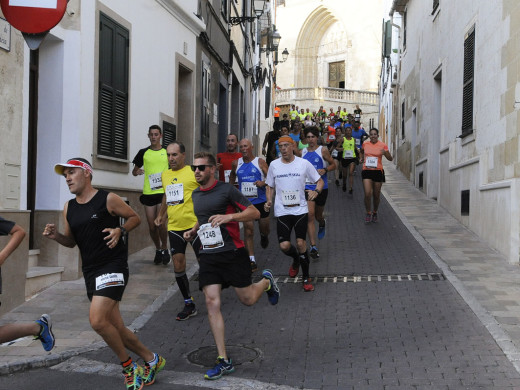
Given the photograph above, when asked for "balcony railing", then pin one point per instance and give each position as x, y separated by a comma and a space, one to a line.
290, 95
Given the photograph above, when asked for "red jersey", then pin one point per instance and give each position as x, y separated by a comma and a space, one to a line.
226, 159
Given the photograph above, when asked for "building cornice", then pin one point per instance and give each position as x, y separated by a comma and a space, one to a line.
398, 6
190, 21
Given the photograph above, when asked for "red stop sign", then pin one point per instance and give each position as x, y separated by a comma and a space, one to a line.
33, 16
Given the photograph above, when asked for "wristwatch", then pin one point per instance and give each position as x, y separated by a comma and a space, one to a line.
123, 230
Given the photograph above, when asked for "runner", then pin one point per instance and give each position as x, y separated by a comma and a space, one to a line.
226, 158
251, 172
349, 156
373, 174
41, 329
92, 222
150, 162
360, 136
223, 259
288, 175
322, 161
179, 183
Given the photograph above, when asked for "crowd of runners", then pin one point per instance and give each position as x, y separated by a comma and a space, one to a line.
188, 204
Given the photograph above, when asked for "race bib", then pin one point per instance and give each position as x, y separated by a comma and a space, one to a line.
291, 198
358, 141
155, 181
174, 194
332, 137
334, 153
250, 190
348, 154
226, 175
109, 280
371, 162
210, 237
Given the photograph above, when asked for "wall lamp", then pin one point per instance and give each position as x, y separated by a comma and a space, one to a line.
258, 8
285, 54
273, 40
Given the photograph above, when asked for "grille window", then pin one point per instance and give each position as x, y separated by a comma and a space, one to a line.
467, 91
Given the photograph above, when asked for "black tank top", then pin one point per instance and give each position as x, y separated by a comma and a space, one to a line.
87, 222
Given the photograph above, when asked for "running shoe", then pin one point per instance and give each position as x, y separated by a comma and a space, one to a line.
264, 241
222, 368
274, 292
254, 266
166, 258
321, 231
344, 188
337, 182
151, 371
374, 217
158, 257
350, 191
189, 311
368, 218
314, 252
46, 336
133, 379
293, 270
307, 285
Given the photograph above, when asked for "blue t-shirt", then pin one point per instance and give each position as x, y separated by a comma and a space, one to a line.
317, 161
249, 173
358, 135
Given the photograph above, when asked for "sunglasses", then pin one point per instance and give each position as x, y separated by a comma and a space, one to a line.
200, 167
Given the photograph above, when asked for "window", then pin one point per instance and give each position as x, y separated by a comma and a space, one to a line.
169, 133
113, 89
206, 109
224, 9
435, 5
402, 120
337, 74
371, 123
464, 202
467, 87
404, 31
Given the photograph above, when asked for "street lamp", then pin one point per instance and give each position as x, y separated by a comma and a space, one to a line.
285, 55
258, 9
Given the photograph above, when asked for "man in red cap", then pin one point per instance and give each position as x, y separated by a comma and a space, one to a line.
92, 222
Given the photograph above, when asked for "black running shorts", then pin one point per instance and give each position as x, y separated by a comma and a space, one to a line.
320, 199
375, 175
230, 268
260, 207
107, 281
178, 243
345, 162
151, 200
286, 223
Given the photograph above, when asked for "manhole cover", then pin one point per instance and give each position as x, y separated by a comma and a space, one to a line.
206, 356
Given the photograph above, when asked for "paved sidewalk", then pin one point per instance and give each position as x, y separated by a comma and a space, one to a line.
67, 303
391, 322
481, 275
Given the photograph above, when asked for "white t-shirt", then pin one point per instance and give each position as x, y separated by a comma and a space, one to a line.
289, 182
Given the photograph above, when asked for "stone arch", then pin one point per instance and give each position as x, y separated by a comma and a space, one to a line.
307, 45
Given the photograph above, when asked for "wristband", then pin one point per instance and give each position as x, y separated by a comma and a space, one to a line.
123, 230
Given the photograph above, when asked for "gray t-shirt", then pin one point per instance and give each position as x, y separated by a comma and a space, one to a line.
221, 198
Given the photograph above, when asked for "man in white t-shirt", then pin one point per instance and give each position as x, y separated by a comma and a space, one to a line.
288, 175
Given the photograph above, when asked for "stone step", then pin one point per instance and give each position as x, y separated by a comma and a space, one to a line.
39, 278
34, 254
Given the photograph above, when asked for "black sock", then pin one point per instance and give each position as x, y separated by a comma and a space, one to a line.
304, 261
292, 252
183, 283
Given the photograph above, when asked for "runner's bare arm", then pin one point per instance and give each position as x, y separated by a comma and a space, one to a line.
250, 213
233, 173
17, 235
116, 206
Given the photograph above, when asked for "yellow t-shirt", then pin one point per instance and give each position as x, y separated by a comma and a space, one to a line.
178, 187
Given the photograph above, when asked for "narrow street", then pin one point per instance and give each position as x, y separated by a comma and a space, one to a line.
383, 316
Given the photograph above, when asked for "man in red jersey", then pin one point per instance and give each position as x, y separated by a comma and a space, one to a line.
226, 158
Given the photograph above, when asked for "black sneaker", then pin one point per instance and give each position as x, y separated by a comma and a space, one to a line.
350, 191
264, 241
337, 183
314, 252
158, 257
166, 258
189, 311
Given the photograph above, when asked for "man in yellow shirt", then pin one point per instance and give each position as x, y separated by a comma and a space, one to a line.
178, 184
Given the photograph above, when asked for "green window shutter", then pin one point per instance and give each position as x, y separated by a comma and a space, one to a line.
113, 89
